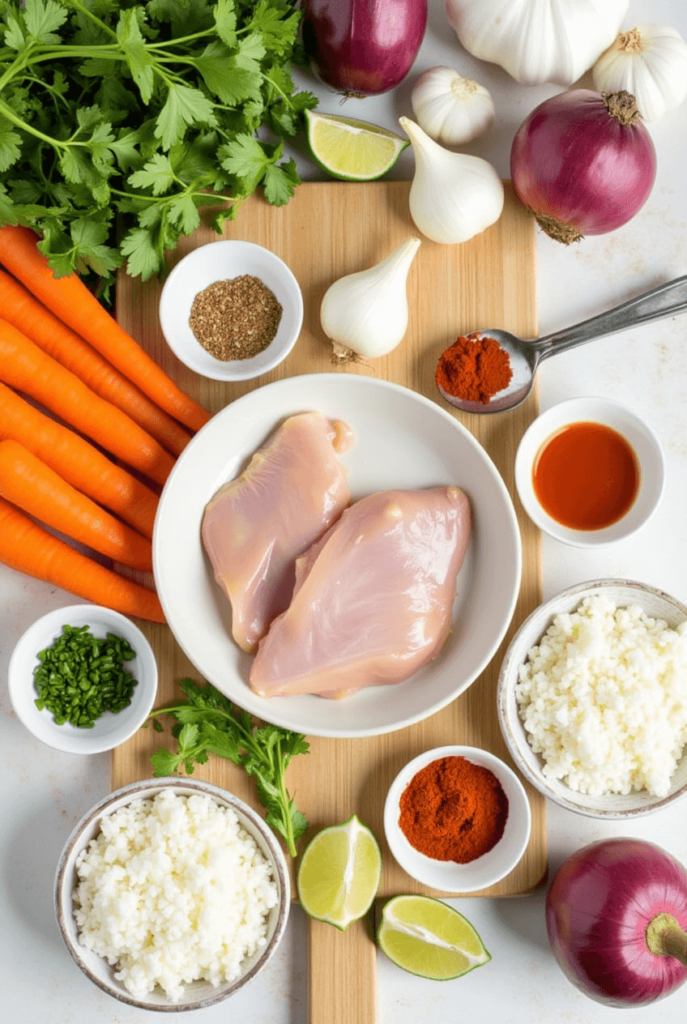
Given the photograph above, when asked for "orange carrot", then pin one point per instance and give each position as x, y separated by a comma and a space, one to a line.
77, 461
71, 301
35, 488
28, 315
26, 367
28, 548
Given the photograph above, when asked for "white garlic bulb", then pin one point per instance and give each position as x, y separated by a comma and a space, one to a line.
537, 41
366, 313
449, 108
453, 196
648, 61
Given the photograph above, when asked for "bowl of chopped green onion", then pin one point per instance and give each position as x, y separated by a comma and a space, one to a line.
82, 679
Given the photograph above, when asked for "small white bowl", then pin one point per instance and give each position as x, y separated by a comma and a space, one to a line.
641, 438
448, 876
198, 994
222, 261
611, 806
110, 729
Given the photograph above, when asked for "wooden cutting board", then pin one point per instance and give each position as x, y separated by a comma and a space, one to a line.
325, 231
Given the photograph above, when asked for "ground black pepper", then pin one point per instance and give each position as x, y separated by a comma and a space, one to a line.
235, 319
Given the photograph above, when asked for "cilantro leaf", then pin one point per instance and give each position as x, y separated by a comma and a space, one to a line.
42, 19
140, 61
208, 723
157, 175
280, 182
184, 106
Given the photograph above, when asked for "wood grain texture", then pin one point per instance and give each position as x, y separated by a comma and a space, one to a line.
327, 230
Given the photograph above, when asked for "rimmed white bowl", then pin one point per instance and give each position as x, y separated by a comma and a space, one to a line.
198, 994
402, 440
491, 867
629, 425
611, 806
221, 261
110, 730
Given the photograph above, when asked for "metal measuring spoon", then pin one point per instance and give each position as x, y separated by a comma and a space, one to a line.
525, 356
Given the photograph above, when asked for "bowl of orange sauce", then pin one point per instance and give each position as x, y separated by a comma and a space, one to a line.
589, 471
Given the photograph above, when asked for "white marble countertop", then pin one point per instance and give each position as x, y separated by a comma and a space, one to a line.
46, 792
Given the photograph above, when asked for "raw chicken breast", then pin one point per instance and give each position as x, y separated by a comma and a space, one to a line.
256, 526
373, 597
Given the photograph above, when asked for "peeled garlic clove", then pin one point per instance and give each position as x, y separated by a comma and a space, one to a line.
366, 314
449, 108
453, 196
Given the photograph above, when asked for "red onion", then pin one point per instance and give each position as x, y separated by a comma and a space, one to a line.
616, 917
583, 163
363, 47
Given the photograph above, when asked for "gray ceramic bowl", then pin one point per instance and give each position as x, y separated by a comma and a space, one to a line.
198, 994
610, 806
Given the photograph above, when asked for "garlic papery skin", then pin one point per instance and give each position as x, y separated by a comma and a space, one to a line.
366, 314
648, 61
453, 196
537, 41
449, 108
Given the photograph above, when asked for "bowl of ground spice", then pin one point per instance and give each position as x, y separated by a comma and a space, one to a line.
457, 819
231, 310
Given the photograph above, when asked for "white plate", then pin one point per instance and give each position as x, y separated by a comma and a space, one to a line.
403, 440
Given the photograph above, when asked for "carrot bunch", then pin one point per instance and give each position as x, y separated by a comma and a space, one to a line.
105, 399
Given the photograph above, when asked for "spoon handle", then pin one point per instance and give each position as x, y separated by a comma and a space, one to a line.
666, 300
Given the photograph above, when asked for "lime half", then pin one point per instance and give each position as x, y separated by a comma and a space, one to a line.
350, 149
427, 937
339, 873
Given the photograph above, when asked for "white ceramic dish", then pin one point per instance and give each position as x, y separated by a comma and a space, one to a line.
447, 876
199, 994
641, 438
609, 806
110, 730
403, 440
220, 261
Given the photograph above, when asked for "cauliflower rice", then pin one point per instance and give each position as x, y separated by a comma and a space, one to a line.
603, 698
173, 890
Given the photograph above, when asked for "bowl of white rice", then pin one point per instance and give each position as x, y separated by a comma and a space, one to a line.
592, 699
172, 894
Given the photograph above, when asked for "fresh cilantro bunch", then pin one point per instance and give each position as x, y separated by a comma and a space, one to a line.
207, 723
119, 119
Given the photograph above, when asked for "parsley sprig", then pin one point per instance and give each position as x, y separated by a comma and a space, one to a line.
208, 723
120, 119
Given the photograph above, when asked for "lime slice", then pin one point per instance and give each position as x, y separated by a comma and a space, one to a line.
350, 149
339, 873
427, 937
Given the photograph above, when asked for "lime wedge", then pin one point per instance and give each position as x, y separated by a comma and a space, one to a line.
339, 873
427, 937
350, 149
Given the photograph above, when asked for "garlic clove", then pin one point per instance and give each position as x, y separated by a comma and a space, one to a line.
453, 196
449, 108
648, 61
365, 314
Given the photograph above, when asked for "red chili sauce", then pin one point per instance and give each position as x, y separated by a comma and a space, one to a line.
586, 476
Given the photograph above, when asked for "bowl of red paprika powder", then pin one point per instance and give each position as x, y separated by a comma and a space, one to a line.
457, 819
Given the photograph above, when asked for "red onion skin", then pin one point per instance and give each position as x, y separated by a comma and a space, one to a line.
598, 907
574, 162
363, 47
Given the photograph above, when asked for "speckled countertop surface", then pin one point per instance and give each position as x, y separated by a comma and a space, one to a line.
45, 792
